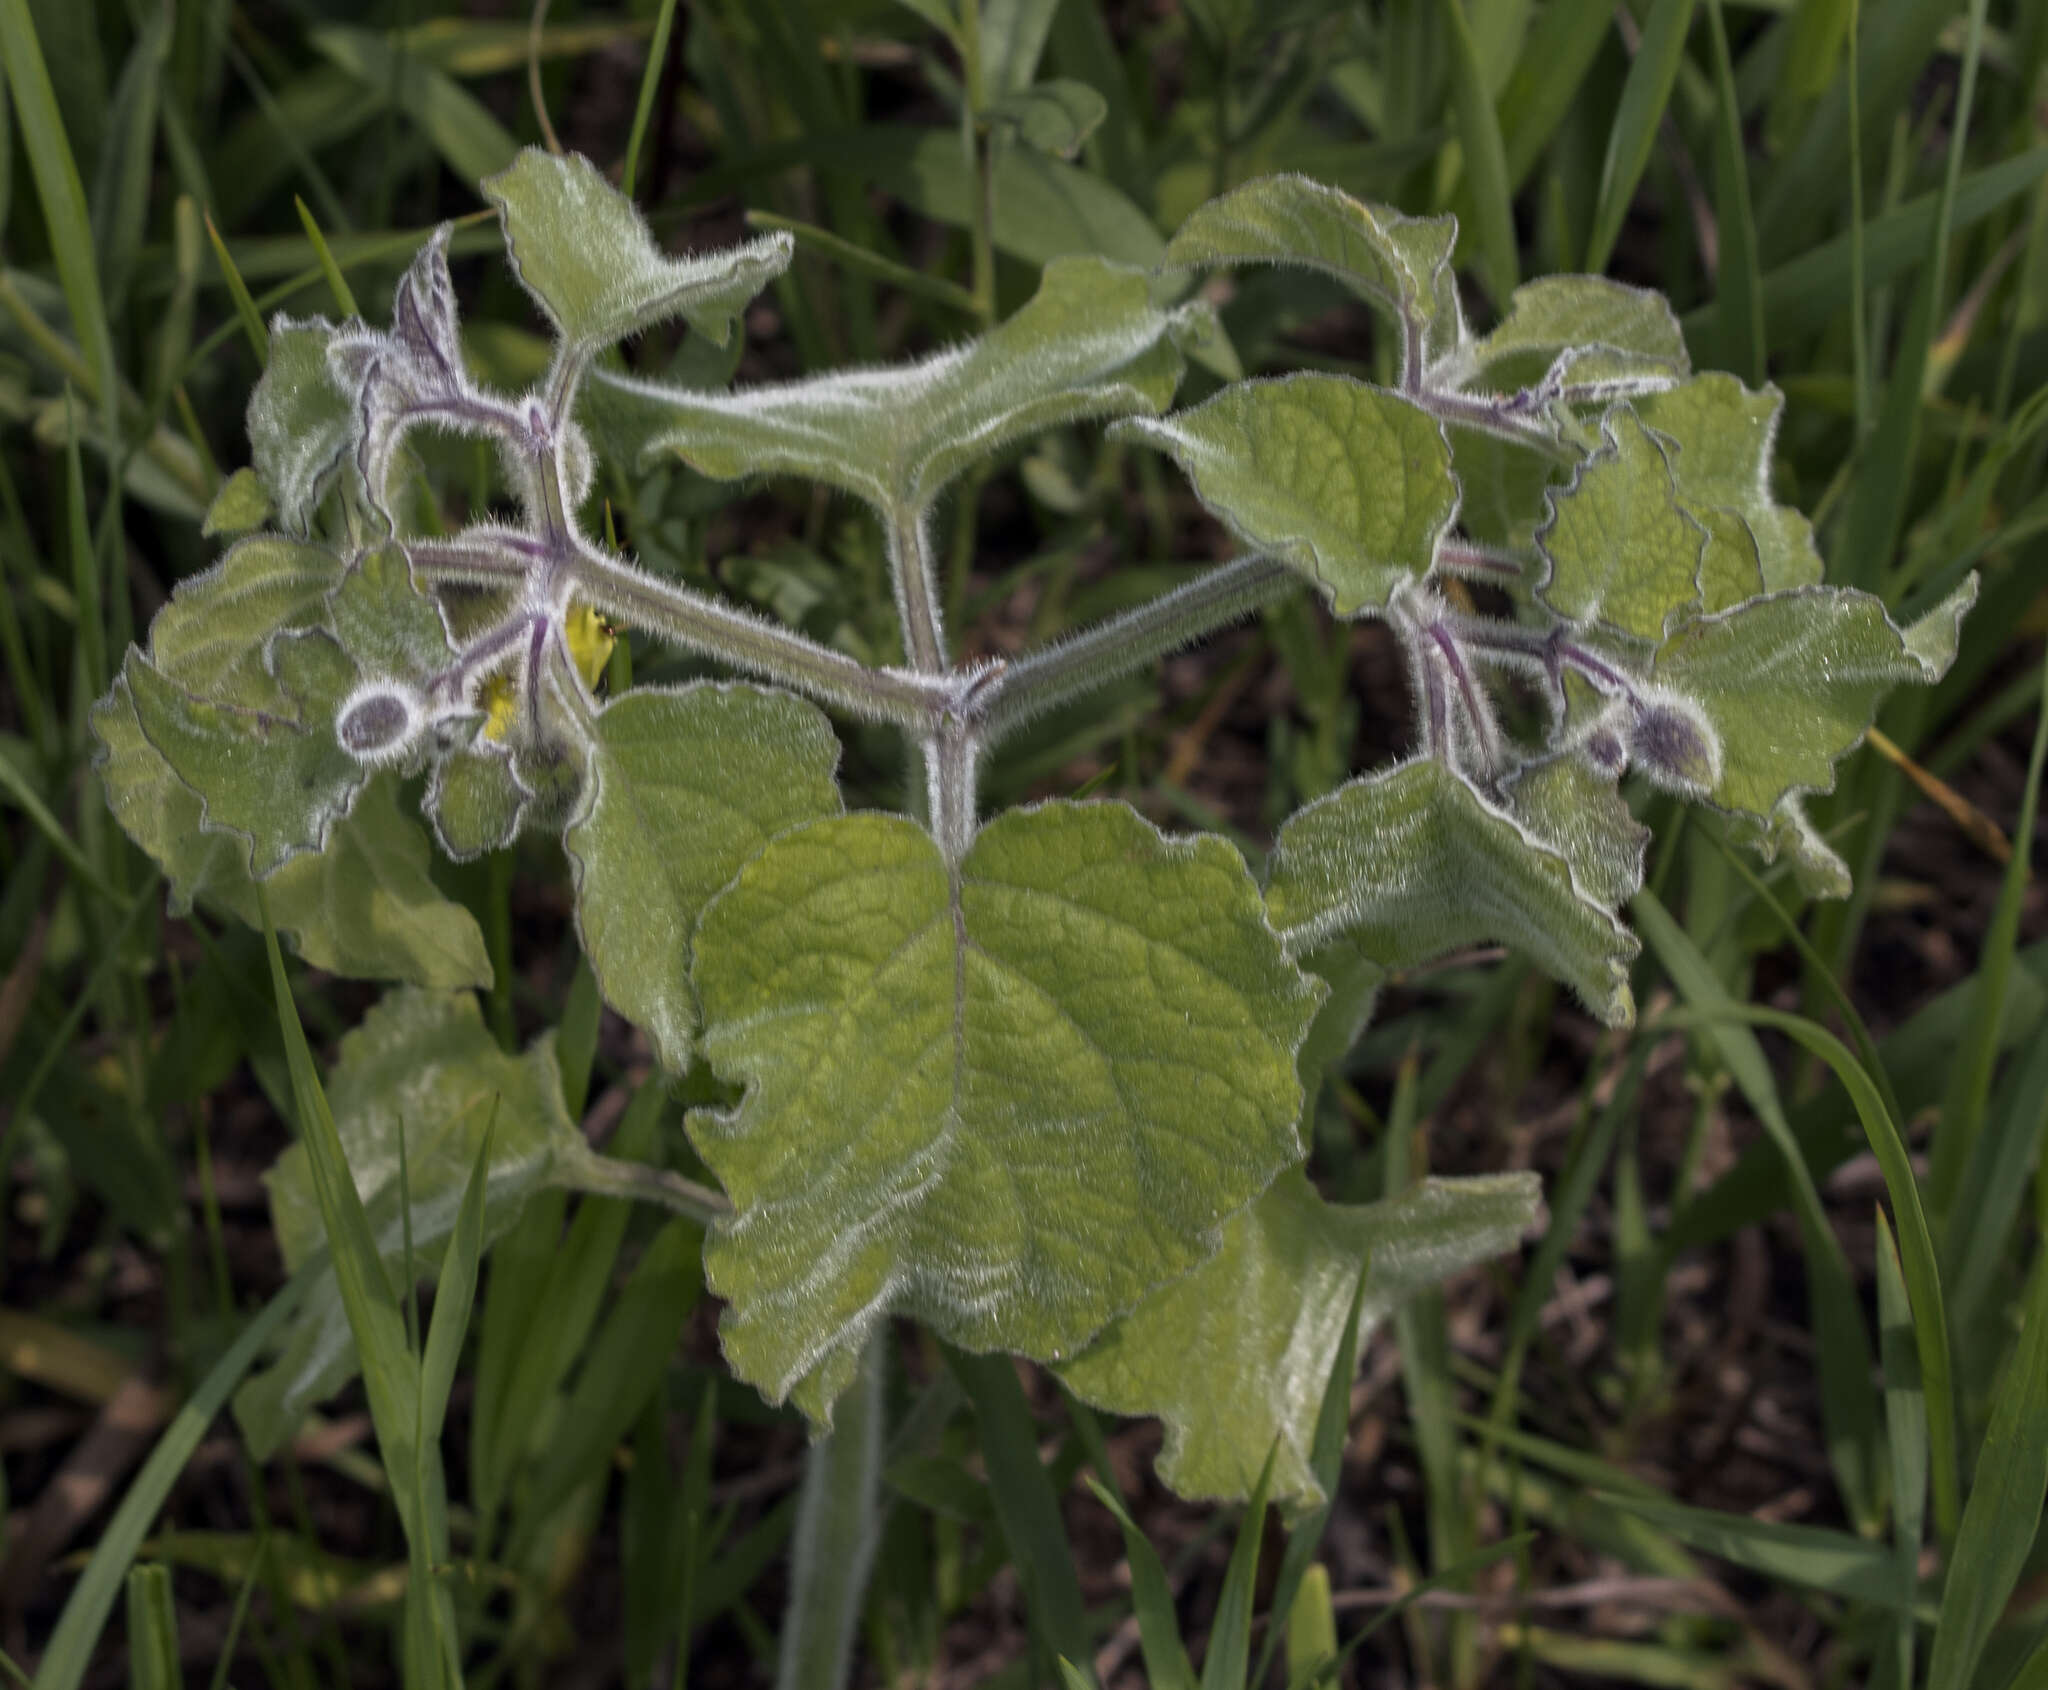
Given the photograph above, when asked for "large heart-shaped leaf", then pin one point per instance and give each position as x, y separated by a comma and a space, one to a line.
1234, 1357
684, 787
421, 1067
1009, 1099
1413, 863
1090, 343
586, 256
1347, 483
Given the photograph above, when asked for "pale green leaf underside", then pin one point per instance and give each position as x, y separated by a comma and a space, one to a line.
1792, 681
1619, 550
279, 780
1580, 813
1010, 1114
1585, 332
363, 906
1090, 343
213, 637
422, 1064
301, 424
683, 788
1413, 863
1348, 484
239, 507
1236, 1355
586, 256
1399, 263
1816, 866
246, 669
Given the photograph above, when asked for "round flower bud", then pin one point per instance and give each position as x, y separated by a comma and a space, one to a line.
378, 723
1673, 744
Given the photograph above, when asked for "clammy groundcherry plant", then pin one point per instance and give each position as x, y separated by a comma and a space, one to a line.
1035, 1079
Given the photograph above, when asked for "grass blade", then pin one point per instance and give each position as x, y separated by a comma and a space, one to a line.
1643, 99
1905, 1422
1848, 1411
455, 1293
375, 1317
1561, 47
1741, 289
650, 83
837, 1528
1923, 1277
1166, 1657
59, 188
152, 1631
1962, 1113
337, 283
73, 1643
1815, 1557
2004, 1510
1026, 1503
1486, 167
245, 307
1230, 1637
1876, 505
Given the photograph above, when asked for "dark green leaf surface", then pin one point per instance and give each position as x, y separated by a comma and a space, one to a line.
1347, 483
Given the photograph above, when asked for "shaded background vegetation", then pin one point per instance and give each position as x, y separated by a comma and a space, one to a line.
1847, 201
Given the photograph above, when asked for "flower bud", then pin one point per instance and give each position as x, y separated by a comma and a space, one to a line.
378, 723
1673, 744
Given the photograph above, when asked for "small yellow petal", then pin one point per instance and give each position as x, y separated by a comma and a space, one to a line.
499, 704
590, 642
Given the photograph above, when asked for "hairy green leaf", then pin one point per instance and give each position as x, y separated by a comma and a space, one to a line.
421, 1066
1413, 862
685, 787
1584, 336
1722, 434
1618, 548
253, 691
301, 423
240, 507
1790, 683
1090, 343
1347, 483
585, 254
1237, 1354
1402, 264
1577, 810
1010, 1100
364, 905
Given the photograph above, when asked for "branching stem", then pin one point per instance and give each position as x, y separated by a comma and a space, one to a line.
1097, 655
910, 701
